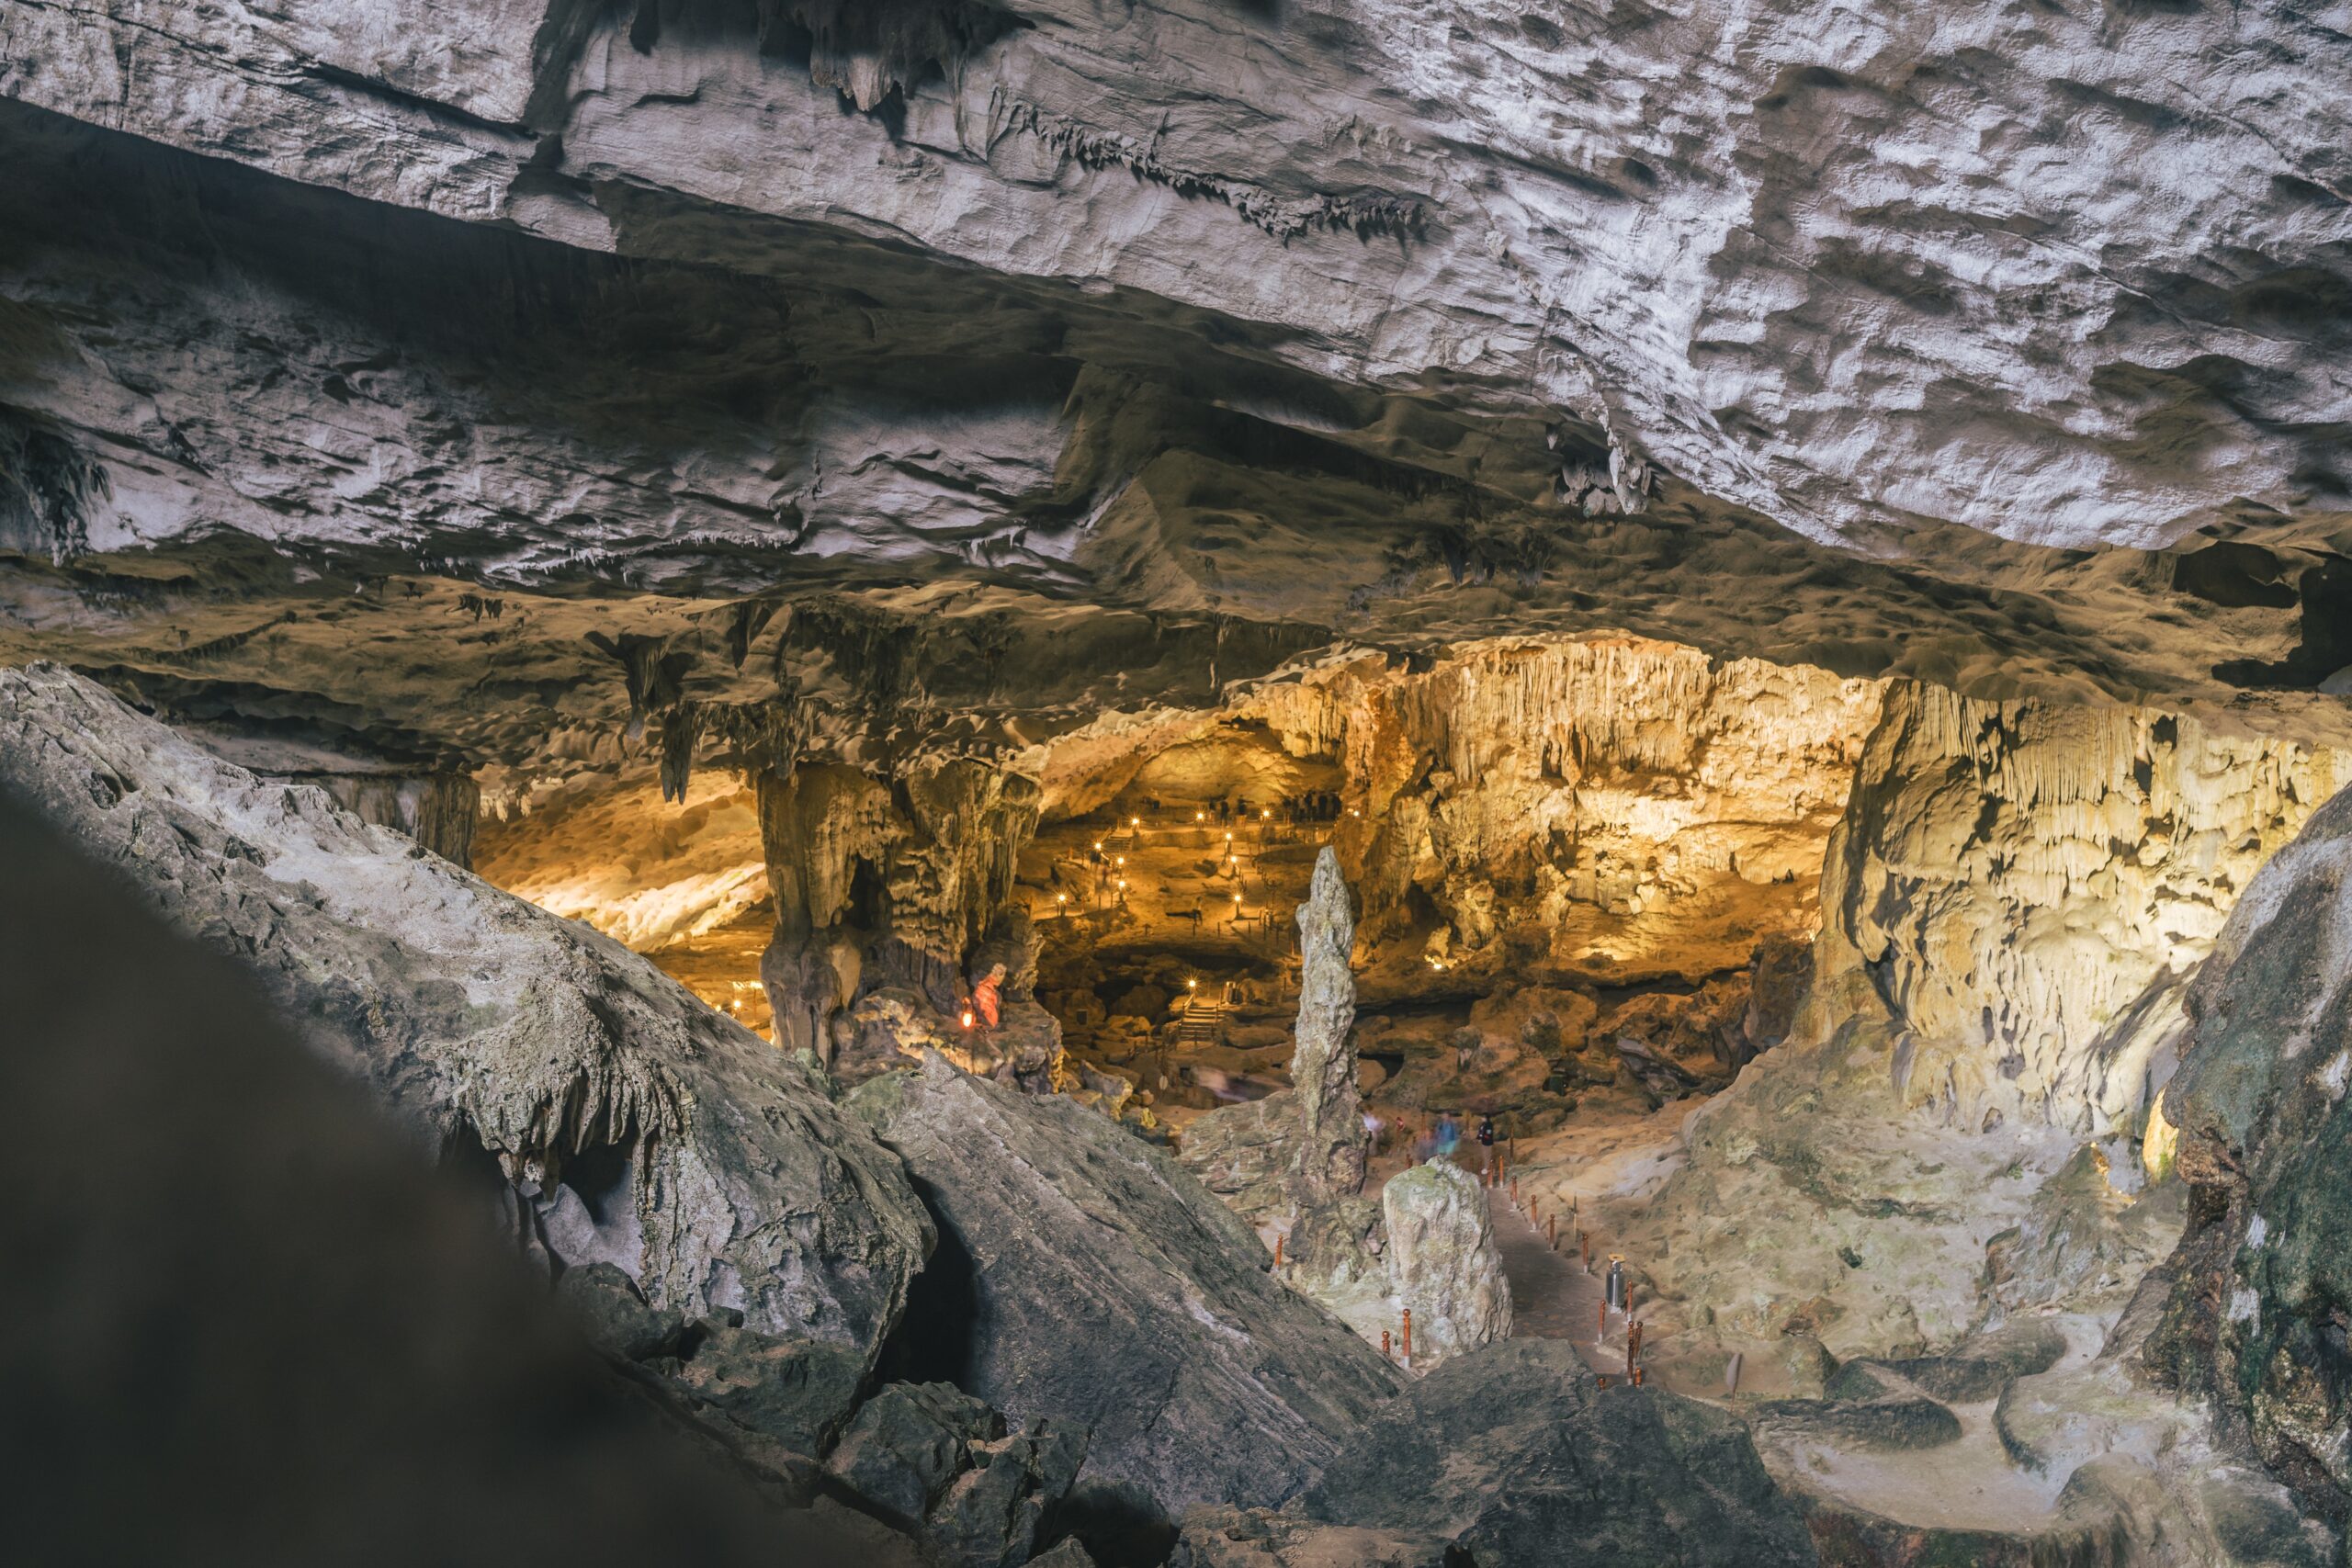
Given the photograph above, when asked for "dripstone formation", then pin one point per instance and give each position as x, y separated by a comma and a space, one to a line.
1331, 1138
955, 707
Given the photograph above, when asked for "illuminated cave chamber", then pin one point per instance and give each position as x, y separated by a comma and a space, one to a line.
937, 683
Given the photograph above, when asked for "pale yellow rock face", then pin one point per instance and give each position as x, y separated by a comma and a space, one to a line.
646, 871
2019, 880
1613, 804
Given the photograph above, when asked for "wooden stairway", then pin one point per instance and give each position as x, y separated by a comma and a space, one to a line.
1203, 1021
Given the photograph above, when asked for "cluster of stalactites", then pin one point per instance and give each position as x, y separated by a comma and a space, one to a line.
941, 844
2023, 881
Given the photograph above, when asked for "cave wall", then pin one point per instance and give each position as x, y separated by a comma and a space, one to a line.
438, 810
2024, 887
2261, 1287
1620, 805
886, 881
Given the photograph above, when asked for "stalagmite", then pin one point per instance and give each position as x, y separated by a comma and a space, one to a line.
1332, 1141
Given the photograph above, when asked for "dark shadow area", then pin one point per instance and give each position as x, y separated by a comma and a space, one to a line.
934, 1340
245, 1322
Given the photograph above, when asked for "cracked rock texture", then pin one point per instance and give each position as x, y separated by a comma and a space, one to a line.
1083, 1277
2022, 883
2256, 1318
1332, 1142
1513, 1451
1443, 1263
643, 1129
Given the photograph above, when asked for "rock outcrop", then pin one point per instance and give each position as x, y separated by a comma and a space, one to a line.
2018, 879
1332, 1141
1514, 1453
1246, 1153
436, 809
1084, 1278
2265, 1271
355, 1370
1533, 793
942, 1466
1442, 1262
626, 1122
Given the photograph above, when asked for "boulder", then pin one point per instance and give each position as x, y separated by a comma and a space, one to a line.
2265, 1267
590, 1094
1084, 1277
940, 1464
1514, 1453
1442, 1262
1245, 1153
1258, 1537
792, 1390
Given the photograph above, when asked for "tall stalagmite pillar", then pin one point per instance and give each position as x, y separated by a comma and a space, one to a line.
1332, 1142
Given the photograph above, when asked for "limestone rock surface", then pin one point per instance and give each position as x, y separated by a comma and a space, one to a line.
2257, 1314
1085, 1278
1514, 1453
355, 1370
2020, 879
942, 1464
1261, 1537
640, 1125
1673, 266
1246, 1154
1442, 1262
1332, 1141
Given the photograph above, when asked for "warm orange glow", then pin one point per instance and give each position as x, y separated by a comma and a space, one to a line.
967, 1017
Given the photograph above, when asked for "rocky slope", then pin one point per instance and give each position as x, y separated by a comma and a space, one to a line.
2257, 1315
634, 1126
357, 1371
1085, 1278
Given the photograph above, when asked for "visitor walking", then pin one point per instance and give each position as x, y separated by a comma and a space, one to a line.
1487, 1145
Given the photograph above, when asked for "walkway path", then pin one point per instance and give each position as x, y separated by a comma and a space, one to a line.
1551, 1295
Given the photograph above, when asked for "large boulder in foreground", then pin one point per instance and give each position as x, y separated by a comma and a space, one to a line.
1442, 1262
2265, 1270
636, 1126
1083, 1277
1515, 1454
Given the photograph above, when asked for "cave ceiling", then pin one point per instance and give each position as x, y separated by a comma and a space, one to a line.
466, 383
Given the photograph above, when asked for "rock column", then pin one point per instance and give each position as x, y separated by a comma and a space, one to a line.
1332, 1143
